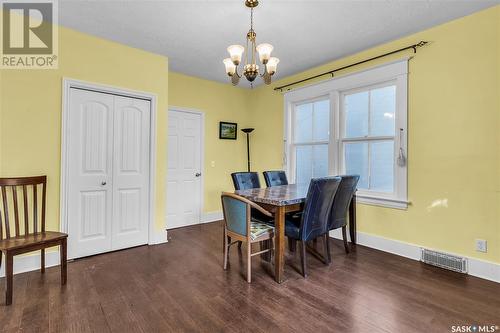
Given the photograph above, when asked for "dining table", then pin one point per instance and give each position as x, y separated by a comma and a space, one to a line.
280, 200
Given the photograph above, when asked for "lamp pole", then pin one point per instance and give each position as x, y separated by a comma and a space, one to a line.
247, 131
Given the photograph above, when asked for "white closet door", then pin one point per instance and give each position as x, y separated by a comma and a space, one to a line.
184, 169
108, 190
90, 172
130, 172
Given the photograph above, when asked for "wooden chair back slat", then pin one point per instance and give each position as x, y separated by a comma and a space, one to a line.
44, 193
6, 212
25, 205
5, 220
1, 229
35, 210
16, 209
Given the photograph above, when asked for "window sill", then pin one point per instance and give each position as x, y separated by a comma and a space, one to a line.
382, 202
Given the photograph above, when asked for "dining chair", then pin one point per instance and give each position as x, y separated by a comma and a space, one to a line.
240, 226
275, 178
245, 180
23, 239
340, 207
313, 222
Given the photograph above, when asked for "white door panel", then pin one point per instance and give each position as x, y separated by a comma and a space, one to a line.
131, 172
90, 165
184, 169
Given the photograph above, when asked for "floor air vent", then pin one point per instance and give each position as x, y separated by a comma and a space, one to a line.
444, 260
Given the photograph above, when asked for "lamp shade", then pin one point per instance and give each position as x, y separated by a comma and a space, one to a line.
230, 66
235, 52
264, 51
272, 64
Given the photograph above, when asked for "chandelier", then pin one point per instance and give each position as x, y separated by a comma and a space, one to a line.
251, 69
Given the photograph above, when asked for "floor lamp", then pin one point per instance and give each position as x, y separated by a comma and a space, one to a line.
247, 131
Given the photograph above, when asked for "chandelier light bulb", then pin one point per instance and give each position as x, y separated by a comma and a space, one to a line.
264, 52
230, 66
272, 64
236, 52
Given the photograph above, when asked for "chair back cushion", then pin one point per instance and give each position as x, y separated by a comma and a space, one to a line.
317, 207
245, 180
275, 178
235, 214
347, 188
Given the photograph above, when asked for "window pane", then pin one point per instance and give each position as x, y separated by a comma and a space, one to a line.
321, 120
382, 110
356, 113
320, 161
382, 166
303, 122
311, 161
303, 164
356, 162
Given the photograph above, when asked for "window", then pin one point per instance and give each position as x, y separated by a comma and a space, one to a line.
355, 124
311, 139
367, 136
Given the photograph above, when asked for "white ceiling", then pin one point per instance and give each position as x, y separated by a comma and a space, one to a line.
195, 34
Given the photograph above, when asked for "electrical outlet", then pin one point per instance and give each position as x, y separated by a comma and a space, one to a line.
212, 164
481, 245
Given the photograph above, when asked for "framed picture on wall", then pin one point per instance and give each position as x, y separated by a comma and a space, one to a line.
228, 131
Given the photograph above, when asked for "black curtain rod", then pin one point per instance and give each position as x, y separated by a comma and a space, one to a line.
414, 47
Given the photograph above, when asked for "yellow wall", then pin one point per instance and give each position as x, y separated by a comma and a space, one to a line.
30, 105
219, 102
454, 137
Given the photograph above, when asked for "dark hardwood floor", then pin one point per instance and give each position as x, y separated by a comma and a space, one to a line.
180, 286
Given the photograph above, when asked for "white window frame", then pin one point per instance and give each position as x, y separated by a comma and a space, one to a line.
335, 88
293, 144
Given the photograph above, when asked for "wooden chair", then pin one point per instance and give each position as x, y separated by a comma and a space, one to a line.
24, 240
239, 226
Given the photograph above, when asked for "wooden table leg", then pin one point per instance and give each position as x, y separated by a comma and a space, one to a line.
352, 219
279, 234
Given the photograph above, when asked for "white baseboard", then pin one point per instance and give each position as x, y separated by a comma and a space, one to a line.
31, 262
158, 237
211, 217
479, 268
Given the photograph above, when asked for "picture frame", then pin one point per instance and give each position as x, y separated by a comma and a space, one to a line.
228, 131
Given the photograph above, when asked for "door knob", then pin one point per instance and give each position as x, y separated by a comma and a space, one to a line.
197, 174
103, 183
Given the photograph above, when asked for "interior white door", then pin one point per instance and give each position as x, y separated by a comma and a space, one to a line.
130, 172
90, 172
108, 176
184, 169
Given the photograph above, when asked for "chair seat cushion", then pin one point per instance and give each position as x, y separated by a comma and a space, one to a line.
258, 229
31, 240
292, 226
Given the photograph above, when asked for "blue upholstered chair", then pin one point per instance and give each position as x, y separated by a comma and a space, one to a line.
314, 220
338, 215
275, 178
241, 227
245, 180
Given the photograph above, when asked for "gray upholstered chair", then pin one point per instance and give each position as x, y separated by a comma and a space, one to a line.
341, 201
241, 227
275, 178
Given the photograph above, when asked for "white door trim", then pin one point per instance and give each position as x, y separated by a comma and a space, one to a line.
202, 157
68, 83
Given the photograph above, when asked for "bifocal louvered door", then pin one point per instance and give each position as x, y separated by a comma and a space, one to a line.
108, 174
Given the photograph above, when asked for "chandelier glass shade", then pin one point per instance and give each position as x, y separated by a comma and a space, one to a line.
251, 68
